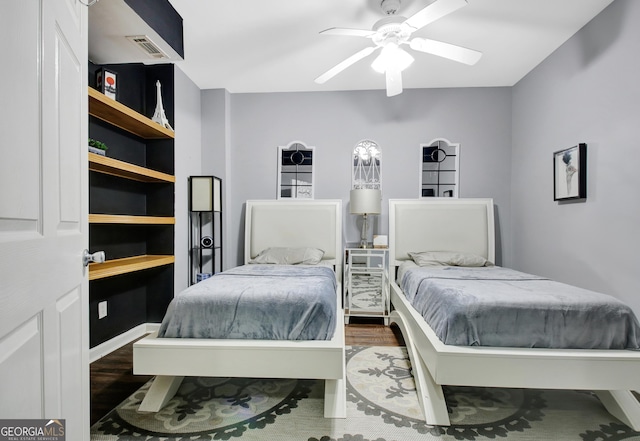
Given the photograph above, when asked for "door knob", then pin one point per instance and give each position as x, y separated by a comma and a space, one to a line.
97, 257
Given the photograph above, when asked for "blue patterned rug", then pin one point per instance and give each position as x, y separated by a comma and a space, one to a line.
382, 406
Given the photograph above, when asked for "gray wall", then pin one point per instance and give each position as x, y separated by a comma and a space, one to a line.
477, 118
215, 132
216, 154
187, 163
201, 148
587, 91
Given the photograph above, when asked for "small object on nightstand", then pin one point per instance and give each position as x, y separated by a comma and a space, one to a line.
380, 241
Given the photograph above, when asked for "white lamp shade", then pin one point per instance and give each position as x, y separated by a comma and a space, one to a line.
204, 193
392, 56
365, 201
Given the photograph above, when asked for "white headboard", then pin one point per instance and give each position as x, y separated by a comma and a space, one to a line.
441, 224
294, 223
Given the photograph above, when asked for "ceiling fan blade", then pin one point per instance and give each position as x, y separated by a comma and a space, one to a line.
433, 12
344, 64
394, 82
348, 32
446, 50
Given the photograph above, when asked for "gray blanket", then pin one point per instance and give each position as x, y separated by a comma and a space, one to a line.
494, 306
261, 302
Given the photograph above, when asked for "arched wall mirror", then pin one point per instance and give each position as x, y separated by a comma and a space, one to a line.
367, 157
439, 169
365, 197
295, 171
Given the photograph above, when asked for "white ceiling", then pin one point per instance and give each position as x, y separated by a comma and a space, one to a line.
275, 46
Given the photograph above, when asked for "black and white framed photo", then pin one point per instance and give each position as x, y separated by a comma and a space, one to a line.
295, 171
439, 169
570, 173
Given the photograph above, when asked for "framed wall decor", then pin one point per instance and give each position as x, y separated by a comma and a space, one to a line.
439, 169
295, 171
570, 173
366, 170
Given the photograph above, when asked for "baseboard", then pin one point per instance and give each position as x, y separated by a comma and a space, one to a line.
119, 341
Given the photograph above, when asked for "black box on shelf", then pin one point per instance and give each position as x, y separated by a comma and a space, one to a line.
107, 83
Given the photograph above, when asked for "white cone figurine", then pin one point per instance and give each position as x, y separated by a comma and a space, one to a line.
159, 115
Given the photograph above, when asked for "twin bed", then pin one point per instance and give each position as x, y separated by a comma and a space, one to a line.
456, 349
310, 347
472, 358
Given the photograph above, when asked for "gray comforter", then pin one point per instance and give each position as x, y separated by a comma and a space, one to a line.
495, 306
263, 302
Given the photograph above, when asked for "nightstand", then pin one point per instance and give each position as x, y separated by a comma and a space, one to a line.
366, 283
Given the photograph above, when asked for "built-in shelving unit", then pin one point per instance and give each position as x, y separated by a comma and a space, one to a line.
131, 202
121, 116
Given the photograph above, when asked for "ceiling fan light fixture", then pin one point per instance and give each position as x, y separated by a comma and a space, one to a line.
419, 44
392, 56
391, 32
390, 7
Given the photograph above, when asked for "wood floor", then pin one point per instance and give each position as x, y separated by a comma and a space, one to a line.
112, 378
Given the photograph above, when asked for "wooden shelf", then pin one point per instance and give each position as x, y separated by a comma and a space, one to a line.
116, 267
119, 115
114, 167
131, 220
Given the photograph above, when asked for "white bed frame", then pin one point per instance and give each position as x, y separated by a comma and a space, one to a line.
312, 223
467, 225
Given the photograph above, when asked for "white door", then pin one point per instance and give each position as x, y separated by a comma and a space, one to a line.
44, 327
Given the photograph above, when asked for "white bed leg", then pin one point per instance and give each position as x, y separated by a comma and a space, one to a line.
430, 394
623, 405
335, 399
161, 391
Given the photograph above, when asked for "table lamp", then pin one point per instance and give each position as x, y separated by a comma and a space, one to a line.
365, 201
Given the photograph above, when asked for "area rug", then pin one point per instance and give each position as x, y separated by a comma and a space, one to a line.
382, 406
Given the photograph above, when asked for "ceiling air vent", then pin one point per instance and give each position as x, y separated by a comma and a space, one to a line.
147, 46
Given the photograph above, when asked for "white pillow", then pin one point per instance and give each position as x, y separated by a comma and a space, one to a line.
289, 256
451, 258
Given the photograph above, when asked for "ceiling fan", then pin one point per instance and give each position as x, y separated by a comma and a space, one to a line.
390, 33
